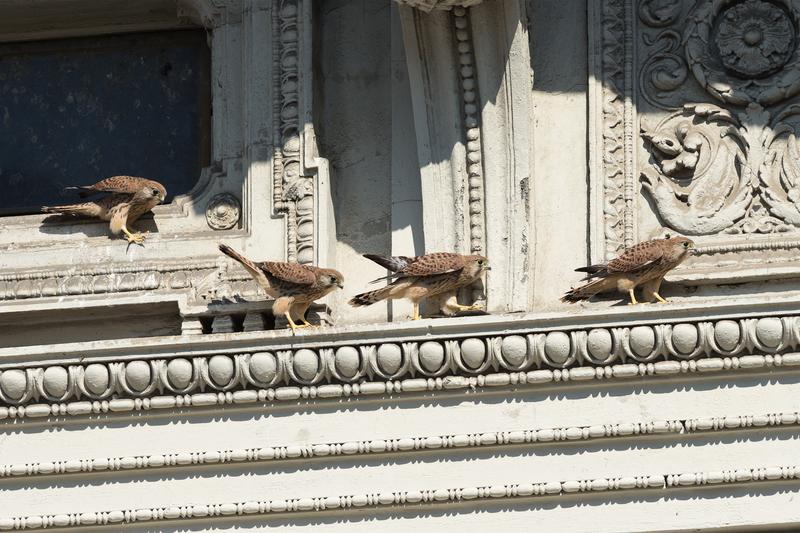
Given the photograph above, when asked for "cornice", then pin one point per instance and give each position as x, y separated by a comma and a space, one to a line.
397, 499
440, 354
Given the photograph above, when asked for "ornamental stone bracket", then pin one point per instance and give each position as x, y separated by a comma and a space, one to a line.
430, 5
430, 355
694, 119
459, 59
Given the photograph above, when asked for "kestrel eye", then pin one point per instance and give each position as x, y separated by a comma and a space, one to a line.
686, 245
155, 192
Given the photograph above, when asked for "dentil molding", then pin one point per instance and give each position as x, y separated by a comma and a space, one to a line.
395, 446
401, 498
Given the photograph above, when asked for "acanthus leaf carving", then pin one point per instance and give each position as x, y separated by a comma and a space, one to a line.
697, 183
718, 173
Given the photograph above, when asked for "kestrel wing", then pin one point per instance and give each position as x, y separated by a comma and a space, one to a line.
636, 257
114, 184
290, 272
433, 264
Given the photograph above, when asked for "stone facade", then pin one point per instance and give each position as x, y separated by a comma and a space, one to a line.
152, 388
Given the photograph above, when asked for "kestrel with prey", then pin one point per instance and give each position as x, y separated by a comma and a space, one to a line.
294, 286
127, 198
416, 278
644, 264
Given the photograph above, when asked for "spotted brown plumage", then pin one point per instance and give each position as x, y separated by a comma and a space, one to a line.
295, 287
127, 198
416, 278
644, 264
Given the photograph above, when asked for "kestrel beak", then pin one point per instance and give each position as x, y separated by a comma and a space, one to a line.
340, 284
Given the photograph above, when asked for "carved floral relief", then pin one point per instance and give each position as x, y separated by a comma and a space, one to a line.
712, 88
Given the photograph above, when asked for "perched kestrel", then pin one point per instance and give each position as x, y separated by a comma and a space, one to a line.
294, 286
644, 264
416, 278
128, 198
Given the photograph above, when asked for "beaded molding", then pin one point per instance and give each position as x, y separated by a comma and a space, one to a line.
536, 377
399, 498
398, 445
407, 365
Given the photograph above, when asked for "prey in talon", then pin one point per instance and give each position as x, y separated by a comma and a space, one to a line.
416, 278
126, 199
294, 286
643, 265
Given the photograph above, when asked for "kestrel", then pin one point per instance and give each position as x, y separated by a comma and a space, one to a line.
416, 278
644, 264
127, 199
294, 286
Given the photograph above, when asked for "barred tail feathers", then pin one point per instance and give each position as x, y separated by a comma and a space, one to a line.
584, 292
245, 262
393, 263
88, 209
371, 297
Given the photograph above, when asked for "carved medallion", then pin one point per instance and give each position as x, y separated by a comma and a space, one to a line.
745, 52
223, 211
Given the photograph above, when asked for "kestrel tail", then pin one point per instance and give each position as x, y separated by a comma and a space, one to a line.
417, 278
644, 264
293, 286
127, 198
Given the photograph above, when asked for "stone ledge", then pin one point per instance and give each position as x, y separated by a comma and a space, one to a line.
428, 355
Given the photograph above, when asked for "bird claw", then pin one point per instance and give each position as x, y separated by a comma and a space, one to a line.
135, 238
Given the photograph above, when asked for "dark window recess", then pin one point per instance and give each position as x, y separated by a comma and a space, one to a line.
75, 111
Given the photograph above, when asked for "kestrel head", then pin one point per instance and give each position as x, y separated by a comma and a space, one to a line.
681, 245
477, 264
151, 190
330, 278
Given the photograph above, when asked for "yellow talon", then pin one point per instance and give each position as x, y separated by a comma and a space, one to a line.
136, 238
633, 298
415, 315
659, 298
294, 325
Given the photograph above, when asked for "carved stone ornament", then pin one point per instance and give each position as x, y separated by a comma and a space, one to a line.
223, 211
706, 143
430, 5
745, 52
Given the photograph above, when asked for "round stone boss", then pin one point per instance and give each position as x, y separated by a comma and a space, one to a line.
745, 52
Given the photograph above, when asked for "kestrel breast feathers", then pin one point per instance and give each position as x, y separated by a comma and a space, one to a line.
295, 287
644, 264
416, 278
127, 198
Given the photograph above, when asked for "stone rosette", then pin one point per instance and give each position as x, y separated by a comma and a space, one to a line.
745, 52
223, 211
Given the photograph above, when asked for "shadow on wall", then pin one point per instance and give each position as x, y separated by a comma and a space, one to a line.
363, 104
364, 123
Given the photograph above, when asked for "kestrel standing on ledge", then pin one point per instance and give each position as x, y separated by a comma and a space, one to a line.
294, 286
424, 276
644, 264
128, 198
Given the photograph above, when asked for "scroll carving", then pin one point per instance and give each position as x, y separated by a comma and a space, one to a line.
714, 121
